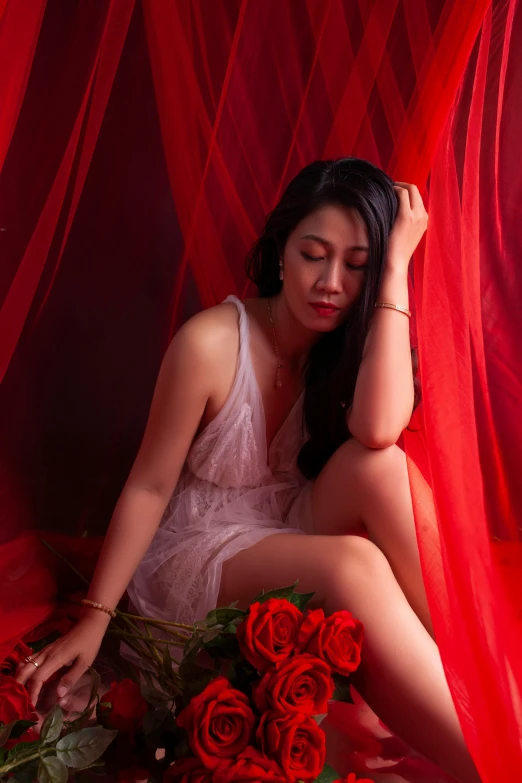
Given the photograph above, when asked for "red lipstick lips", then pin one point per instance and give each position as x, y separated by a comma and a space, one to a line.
324, 309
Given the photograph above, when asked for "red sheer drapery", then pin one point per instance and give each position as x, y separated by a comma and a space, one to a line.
467, 316
19, 30
97, 77
152, 140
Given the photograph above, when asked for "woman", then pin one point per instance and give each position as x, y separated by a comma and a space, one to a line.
270, 445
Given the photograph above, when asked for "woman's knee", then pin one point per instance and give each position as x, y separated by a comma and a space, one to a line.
353, 479
329, 566
352, 560
359, 553
366, 460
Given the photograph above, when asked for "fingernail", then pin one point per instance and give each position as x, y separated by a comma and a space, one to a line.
64, 703
61, 690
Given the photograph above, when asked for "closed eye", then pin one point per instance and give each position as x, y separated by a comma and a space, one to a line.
356, 266
311, 258
321, 258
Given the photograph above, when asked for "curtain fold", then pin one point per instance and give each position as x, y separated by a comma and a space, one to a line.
466, 321
19, 31
129, 198
78, 152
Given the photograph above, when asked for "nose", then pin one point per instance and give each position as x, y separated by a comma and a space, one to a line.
330, 280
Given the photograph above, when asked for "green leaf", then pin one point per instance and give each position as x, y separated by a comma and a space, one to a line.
328, 775
181, 749
26, 774
244, 677
195, 676
153, 696
3, 754
342, 689
162, 718
211, 634
52, 770
93, 696
301, 600
5, 732
167, 661
14, 729
160, 729
223, 616
22, 748
83, 747
52, 725
280, 592
223, 646
194, 644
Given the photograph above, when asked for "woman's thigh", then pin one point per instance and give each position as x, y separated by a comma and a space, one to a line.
353, 480
320, 564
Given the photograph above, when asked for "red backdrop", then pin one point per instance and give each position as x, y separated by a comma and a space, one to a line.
141, 145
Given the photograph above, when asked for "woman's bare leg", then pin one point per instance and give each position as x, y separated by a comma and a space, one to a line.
401, 676
369, 489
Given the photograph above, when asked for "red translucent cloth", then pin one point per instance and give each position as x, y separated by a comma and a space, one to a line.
151, 140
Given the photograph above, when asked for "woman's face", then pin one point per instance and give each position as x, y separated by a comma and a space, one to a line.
324, 263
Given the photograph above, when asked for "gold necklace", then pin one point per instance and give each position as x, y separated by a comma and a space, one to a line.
278, 382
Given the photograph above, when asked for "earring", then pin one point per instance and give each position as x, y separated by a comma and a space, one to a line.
280, 269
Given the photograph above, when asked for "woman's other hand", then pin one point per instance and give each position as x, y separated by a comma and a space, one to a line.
410, 224
77, 650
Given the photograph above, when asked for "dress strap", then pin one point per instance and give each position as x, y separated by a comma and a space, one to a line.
244, 334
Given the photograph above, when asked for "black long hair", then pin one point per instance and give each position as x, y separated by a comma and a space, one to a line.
333, 362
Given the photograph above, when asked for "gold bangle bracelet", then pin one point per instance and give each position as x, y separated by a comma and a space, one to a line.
101, 607
394, 307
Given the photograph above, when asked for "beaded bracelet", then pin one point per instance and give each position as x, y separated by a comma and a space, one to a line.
394, 307
101, 607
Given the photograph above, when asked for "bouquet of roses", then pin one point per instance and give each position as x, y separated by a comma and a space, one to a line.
243, 702
258, 719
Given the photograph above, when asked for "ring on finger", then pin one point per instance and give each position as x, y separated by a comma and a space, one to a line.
28, 659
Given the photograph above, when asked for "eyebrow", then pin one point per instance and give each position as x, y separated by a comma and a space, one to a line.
330, 244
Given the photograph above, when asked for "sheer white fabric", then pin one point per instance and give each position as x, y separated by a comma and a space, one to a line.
231, 493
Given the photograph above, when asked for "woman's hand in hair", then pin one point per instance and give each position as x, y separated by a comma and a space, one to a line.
410, 224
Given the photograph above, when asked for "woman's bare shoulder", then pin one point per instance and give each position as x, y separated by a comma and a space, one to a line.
209, 339
212, 328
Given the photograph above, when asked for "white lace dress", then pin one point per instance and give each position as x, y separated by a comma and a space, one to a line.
231, 493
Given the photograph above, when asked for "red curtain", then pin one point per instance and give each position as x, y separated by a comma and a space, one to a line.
151, 140
468, 315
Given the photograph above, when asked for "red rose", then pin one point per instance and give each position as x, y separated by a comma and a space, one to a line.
302, 683
14, 701
336, 639
352, 779
123, 707
219, 722
16, 656
189, 770
295, 741
250, 767
269, 632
